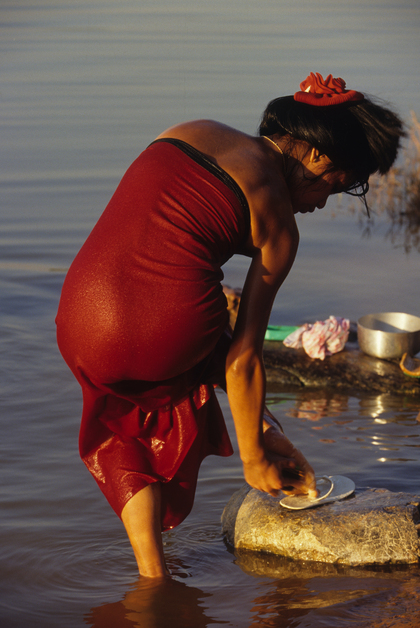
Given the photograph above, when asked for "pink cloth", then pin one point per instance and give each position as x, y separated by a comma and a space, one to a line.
322, 338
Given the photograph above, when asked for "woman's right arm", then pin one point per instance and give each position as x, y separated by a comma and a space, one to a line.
275, 240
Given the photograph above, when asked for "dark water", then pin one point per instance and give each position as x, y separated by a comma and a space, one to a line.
86, 85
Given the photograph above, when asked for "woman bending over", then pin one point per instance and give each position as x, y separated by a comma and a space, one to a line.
142, 320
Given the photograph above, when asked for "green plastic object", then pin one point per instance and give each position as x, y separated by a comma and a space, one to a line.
278, 332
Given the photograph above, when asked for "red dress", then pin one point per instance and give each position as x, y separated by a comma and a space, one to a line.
141, 324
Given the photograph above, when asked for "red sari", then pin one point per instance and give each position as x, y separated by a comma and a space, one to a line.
141, 324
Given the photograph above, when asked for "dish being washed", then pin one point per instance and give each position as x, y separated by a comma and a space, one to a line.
331, 488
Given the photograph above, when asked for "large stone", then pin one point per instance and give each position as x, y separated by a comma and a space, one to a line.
373, 527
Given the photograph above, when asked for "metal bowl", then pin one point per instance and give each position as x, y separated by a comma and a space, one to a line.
389, 334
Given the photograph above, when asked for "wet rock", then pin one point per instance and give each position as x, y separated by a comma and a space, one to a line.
373, 527
350, 369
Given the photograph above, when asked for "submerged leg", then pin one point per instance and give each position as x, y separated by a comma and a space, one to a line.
142, 520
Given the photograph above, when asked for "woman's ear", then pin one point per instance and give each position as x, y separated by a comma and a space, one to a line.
316, 158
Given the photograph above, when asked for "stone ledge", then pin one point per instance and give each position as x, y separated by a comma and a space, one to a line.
350, 369
373, 527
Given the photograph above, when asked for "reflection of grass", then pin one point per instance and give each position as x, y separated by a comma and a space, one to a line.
397, 195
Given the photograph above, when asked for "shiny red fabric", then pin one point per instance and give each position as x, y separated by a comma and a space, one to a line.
141, 321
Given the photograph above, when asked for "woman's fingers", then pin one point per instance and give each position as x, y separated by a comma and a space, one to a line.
309, 481
264, 477
284, 467
295, 470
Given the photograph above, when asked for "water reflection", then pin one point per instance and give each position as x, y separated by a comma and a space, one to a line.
375, 407
368, 437
152, 604
328, 595
315, 405
275, 593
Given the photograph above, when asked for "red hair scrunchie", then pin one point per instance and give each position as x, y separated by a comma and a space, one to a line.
315, 90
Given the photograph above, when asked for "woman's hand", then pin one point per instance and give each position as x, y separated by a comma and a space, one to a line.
265, 475
296, 474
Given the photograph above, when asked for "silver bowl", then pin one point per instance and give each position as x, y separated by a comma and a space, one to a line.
389, 334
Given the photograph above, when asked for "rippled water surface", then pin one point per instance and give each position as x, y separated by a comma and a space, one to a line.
86, 86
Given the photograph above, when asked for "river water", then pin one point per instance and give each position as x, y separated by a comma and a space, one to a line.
86, 86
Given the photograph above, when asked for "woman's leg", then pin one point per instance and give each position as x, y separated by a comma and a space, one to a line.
142, 520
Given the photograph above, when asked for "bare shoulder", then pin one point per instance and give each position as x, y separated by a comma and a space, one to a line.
214, 139
243, 156
197, 130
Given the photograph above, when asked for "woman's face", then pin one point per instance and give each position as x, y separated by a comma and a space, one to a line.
315, 181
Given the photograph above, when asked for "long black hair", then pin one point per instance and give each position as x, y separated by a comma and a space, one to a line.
358, 137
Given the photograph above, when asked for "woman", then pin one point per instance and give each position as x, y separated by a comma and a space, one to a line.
142, 318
